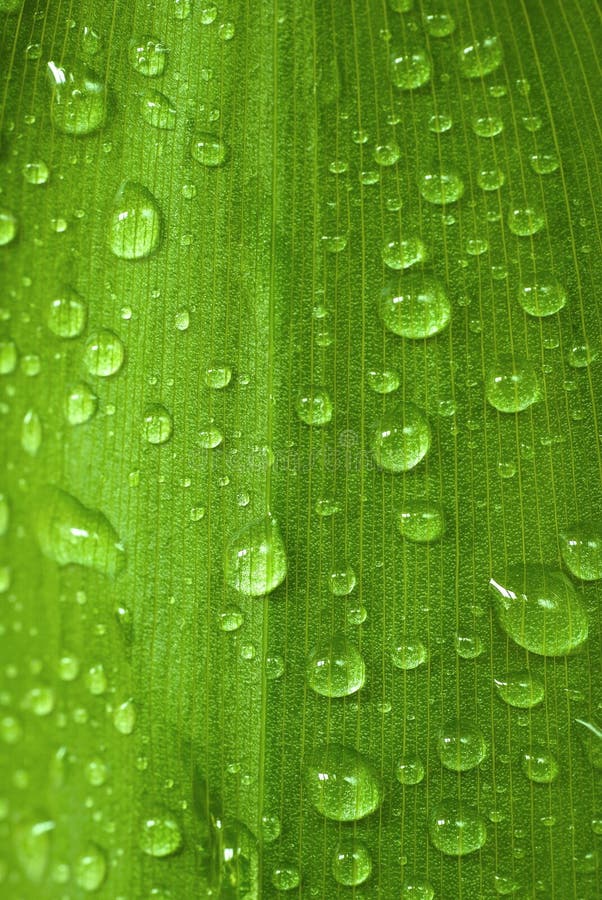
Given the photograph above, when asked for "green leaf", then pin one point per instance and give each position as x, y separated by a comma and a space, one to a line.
300, 521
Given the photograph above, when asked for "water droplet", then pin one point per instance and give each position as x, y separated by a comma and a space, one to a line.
334, 243
96, 772
581, 548
440, 123
521, 689
410, 769
67, 314
487, 126
36, 172
4, 514
539, 766
8, 357
255, 560
135, 223
456, 828
409, 655
218, 376
543, 297
314, 406
417, 889
383, 381
79, 99
270, 827
481, 57
402, 438
525, 220
351, 862
69, 532
286, 877
511, 384
532, 123
416, 307
157, 110
209, 150
68, 667
540, 610
445, 186
31, 432
420, 520
342, 784
210, 436
490, 179
124, 717
439, 24
91, 869
96, 680
104, 353
403, 253
8, 227
336, 668
544, 163
227, 31
157, 424
230, 619
31, 838
387, 154
468, 646
579, 356
147, 56
80, 404
160, 836
410, 68
461, 745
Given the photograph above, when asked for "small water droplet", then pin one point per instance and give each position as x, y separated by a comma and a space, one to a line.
67, 314
420, 520
209, 150
336, 668
410, 68
157, 424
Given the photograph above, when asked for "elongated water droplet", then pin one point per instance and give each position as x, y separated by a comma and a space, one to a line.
255, 560
104, 353
69, 532
581, 548
135, 223
342, 784
91, 869
157, 110
540, 610
67, 314
79, 99
8, 227
80, 404
31, 432
31, 838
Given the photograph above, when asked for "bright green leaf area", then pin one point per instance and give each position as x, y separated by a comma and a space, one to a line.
301, 385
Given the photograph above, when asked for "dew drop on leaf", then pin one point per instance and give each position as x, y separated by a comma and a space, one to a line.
581, 548
255, 559
417, 306
69, 532
410, 68
351, 862
420, 520
67, 314
539, 766
402, 439
135, 222
90, 869
461, 745
209, 150
457, 829
540, 610
81, 404
511, 384
409, 769
159, 836
156, 424
481, 57
342, 784
147, 56
336, 668
522, 689
78, 104
8, 227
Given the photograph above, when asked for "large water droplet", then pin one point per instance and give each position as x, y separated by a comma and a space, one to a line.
342, 784
147, 56
336, 668
416, 307
420, 520
402, 439
521, 689
31, 838
135, 223
351, 863
444, 186
67, 314
404, 252
481, 57
511, 384
456, 828
540, 610
409, 654
410, 68
286, 877
8, 227
543, 297
159, 836
581, 548
79, 99
104, 353
255, 559
525, 220
539, 766
69, 532
461, 745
